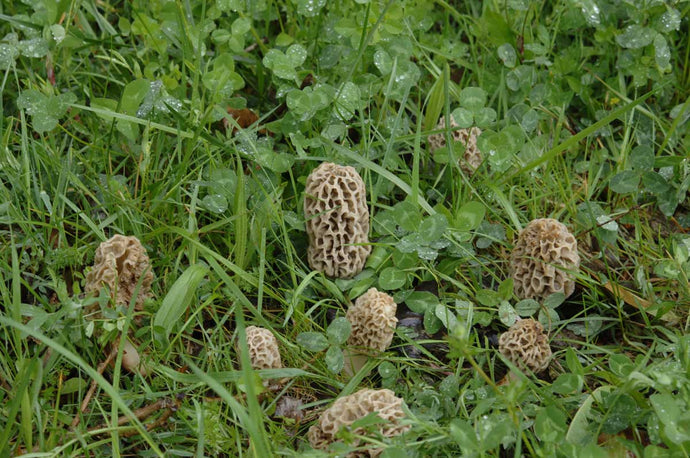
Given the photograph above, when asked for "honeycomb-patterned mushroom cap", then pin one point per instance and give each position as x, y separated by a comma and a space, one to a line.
472, 158
263, 348
373, 320
337, 216
526, 345
119, 264
543, 260
349, 409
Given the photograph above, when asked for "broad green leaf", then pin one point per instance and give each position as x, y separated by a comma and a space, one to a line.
550, 424
312, 341
446, 316
180, 296
433, 227
334, 359
392, 278
470, 216
526, 307
635, 36
339, 330
567, 384
431, 322
421, 301
625, 182
472, 98
507, 314
507, 54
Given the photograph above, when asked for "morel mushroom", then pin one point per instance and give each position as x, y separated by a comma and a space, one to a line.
472, 158
349, 409
337, 216
526, 345
373, 324
119, 264
543, 260
263, 348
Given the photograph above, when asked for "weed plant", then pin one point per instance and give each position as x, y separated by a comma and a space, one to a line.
193, 125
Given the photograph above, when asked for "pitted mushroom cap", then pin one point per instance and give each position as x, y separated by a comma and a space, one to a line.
263, 348
337, 216
472, 158
119, 264
526, 345
373, 320
543, 260
349, 409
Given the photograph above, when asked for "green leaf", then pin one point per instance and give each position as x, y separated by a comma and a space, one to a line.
625, 182
554, 300
179, 297
635, 36
463, 434
507, 54
407, 215
567, 384
463, 117
348, 101
655, 183
431, 322
507, 314
421, 301
472, 98
432, 228
470, 216
334, 359
312, 341
392, 278
642, 157
446, 316
621, 365
339, 330
526, 307
621, 411
550, 424
662, 52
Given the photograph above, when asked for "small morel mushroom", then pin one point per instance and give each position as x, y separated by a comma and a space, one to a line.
526, 345
373, 324
472, 158
131, 359
543, 259
349, 409
337, 216
263, 348
119, 264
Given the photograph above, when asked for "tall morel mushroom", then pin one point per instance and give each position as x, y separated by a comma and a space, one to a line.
472, 157
263, 348
543, 260
349, 409
373, 321
337, 216
119, 264
526, 345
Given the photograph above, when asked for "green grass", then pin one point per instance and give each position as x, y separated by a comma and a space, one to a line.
114, 121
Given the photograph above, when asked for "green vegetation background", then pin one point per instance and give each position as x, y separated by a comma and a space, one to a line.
115, 120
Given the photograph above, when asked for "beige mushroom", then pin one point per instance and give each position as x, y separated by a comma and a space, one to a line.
263, 348
373, 321
543, 260
337, 218
119, 264
349, 409
472, 157
131, 359
526, 345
